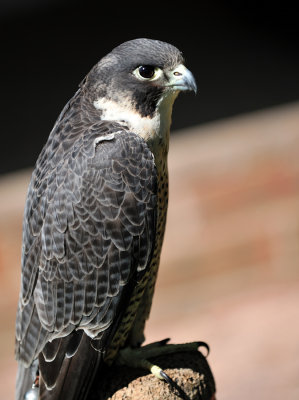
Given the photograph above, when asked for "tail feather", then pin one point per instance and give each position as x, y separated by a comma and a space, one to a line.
75, 376
66, 369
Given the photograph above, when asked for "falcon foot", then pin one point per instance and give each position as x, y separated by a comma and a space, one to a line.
138, 357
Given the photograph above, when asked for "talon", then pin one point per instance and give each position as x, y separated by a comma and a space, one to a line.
165, 377
174, 385
164, 341
204, 344
157, 344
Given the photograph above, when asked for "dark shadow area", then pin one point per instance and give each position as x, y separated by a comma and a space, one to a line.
244, 58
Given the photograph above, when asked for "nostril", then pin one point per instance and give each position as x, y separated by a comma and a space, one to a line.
176, 73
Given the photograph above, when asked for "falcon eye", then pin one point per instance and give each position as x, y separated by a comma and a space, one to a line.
147, 72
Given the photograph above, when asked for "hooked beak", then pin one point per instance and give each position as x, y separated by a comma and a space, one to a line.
181, 79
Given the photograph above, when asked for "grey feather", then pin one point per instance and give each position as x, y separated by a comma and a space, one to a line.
79, 230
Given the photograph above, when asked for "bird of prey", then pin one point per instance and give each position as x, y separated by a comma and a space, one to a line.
94, 221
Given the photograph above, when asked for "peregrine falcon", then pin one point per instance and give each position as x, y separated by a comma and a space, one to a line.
94, 221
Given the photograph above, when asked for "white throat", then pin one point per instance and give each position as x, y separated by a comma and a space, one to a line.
153, 130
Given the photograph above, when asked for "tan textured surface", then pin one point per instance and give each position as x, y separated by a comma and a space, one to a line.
230, 262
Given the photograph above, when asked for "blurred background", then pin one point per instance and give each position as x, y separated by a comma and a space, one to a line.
229, 273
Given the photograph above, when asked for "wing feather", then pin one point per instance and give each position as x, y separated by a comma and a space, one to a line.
88, 230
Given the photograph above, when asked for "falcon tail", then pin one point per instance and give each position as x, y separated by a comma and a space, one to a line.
69, 378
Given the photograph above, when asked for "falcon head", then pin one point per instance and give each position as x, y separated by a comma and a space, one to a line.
137, 83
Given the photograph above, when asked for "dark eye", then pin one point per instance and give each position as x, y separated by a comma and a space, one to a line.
146, 71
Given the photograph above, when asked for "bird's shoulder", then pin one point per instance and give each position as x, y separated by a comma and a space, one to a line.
80, 135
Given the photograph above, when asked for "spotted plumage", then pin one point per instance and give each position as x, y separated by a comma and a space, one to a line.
95, 218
